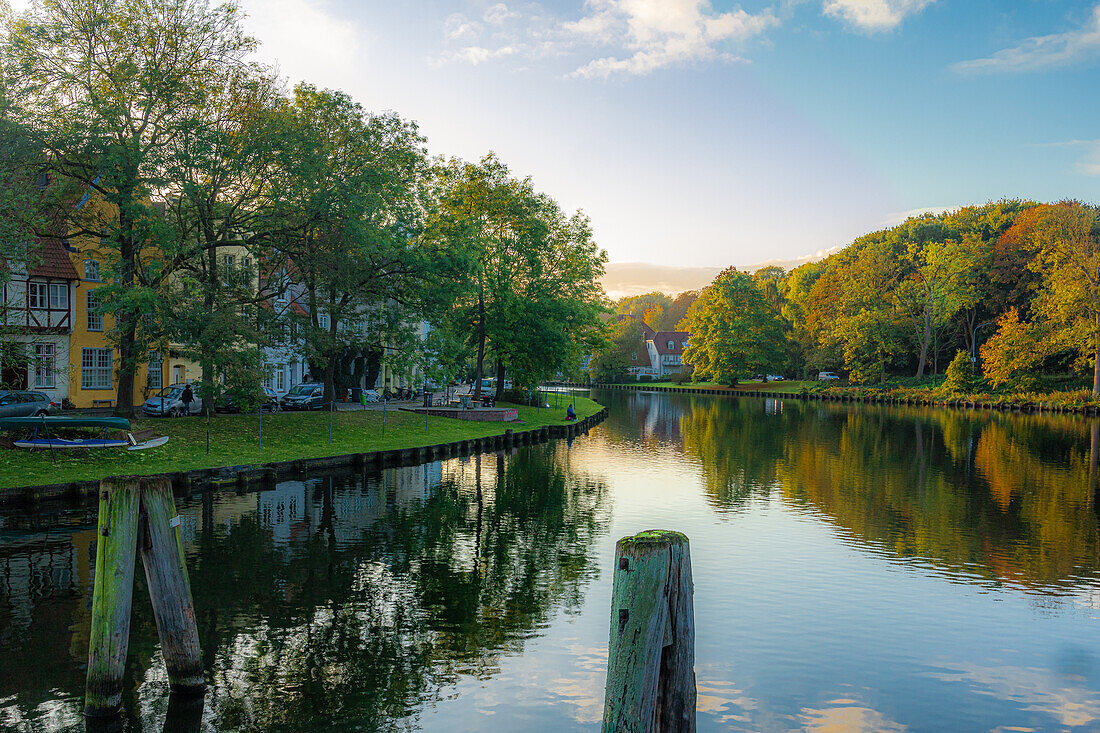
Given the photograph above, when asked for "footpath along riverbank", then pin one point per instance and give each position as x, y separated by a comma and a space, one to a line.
871, 395
407, 442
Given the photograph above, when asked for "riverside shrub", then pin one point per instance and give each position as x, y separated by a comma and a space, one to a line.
960, 375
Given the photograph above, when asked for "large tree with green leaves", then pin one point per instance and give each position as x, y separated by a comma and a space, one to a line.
735, 330
108, 86
351, 191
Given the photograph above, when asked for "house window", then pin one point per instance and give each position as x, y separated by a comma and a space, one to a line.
44, 366
280, 378
322, 320
59, 296
246, 263
229, 261
37, 295
95, 316
269, 376
96, 368
178, 373
671, 345
156, 370
91, 270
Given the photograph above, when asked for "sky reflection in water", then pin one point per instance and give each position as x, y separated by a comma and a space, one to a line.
856, 568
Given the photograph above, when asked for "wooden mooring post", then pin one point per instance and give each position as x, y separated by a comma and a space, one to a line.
139, 514
651, 655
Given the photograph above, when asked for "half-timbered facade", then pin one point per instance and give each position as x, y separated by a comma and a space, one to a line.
37, 312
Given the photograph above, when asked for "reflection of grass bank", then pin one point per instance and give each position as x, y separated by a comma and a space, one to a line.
234, 439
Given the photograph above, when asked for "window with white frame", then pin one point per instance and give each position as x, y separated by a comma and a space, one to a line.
671, 345
96, 368
322, 320
156, 370
59, 296
280, 377
44, 366
91, 270
269, 375
37, 295
95, 315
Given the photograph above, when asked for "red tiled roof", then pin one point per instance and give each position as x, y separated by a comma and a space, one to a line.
52, 260
661, 339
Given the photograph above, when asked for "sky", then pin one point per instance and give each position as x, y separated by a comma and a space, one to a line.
709, 133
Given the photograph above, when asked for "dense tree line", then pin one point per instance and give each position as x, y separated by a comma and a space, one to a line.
1012, 287
155, 109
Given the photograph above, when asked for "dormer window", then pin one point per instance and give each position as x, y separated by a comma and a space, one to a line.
671, 345
91, 270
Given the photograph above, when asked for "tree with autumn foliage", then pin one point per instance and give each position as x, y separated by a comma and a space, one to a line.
735, 330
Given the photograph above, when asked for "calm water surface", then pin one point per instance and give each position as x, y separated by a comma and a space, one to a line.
856, 568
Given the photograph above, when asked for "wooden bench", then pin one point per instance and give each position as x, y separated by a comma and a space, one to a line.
103, 403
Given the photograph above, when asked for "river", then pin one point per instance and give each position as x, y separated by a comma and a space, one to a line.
864, 568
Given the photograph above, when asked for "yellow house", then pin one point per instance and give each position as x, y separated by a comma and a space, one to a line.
93, 371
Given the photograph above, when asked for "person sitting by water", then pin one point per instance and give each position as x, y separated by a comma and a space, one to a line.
569, 414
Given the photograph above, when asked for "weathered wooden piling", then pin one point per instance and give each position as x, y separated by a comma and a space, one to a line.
651, 655
116, 552
139, 514
169, 587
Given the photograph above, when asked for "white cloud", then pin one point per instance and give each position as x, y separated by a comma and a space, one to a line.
498, 14
652, 34
1090, 162
625, 36
873, 15
1042, 52
304, 39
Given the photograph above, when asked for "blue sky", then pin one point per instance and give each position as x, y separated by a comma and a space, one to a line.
714, 133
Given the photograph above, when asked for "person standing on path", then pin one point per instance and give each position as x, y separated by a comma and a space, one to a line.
187, 398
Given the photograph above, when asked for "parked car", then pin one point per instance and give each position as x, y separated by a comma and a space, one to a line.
775, 378
826, 376
167, 402
25, 403
304, 396
270, 402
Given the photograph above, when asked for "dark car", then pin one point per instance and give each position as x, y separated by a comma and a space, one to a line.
24, 403
270, 402
304, 396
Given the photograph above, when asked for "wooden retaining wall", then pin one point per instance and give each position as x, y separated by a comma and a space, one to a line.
184, 483
880, 399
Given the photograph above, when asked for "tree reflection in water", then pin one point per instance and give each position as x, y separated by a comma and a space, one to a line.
345, 601
1008, 496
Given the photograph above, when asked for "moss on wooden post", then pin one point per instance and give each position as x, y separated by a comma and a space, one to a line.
116, 549
169, 587
139, 514
651, 656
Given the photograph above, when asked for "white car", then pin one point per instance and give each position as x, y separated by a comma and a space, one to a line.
826, 376
774, 378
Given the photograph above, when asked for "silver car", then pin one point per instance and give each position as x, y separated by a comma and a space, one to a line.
167, 402
24, 403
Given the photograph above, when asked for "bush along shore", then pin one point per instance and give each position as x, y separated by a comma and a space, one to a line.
293, 444
1078, 401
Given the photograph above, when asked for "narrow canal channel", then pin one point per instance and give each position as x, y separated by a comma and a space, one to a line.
856, 568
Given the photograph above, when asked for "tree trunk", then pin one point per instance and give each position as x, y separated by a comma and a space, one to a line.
1096, 364
125, 318
208, 301
480, 371
924, 344
500, 380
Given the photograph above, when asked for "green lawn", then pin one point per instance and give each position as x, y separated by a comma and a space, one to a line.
234, 439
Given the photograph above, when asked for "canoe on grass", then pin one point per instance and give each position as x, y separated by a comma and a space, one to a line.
63, 443
54, 422
89, 443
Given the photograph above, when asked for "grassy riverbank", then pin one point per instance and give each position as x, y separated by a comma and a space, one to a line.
234, 439
930, 389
